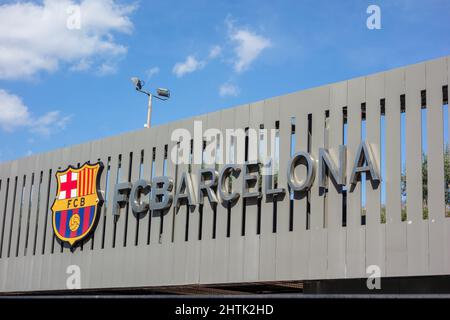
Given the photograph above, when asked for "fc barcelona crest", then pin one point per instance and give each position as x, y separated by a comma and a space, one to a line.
77, 203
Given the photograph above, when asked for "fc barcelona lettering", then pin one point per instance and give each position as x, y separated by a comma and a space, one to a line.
77, 202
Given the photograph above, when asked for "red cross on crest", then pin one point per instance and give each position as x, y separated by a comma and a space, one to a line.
68, 188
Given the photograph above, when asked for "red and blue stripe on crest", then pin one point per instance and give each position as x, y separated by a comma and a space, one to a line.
62, 219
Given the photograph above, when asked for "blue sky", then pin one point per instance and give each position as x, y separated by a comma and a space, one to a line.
60, 87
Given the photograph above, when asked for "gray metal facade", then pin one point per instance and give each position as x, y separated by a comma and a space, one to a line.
152, 251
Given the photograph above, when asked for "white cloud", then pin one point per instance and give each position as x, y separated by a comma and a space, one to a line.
152, 72
249, 46
82, 65
35, 37
50, 122
228, 89
191, 64
15, 114
106, 69
214, 52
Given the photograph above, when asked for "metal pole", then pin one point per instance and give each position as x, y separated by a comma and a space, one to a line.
149, 112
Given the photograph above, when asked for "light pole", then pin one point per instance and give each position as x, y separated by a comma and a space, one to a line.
161, 94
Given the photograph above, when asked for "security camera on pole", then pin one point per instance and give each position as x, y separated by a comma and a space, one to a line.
161, 94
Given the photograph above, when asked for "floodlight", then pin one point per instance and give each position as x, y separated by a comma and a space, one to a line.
163, 92
138, 83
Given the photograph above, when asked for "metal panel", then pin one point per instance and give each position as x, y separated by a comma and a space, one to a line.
28, 245
113, 147
236, 248
108, 222
252, 238
417, 228
17, 215
207, 244
101, 153
436, 78
267, 249
375, 231
16, 278
318, 100
180, 220
126, 171
148, 142
284, 236
12, 202
49, 266
126, 222
355, 232
7, 182
136, 174
396, 254
43, 196
301, 236
222, 242
161, 230
192, 266
22, 230
336, 233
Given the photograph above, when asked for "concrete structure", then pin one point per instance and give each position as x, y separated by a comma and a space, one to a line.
282, 239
